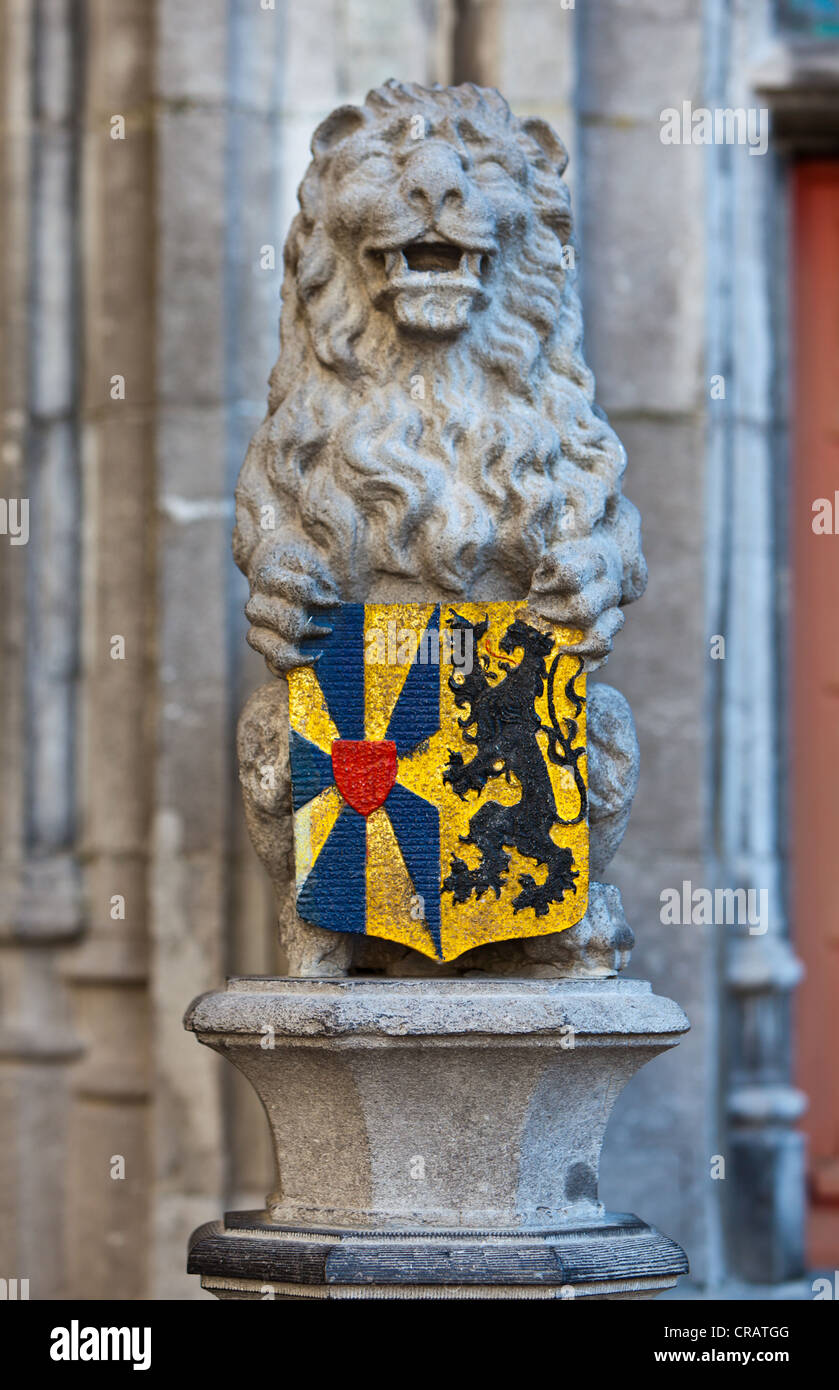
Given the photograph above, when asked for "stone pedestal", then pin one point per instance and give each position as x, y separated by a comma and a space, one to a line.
436, 1138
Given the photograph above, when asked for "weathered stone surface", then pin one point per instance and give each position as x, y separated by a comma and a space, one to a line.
472, 310
431, 430
315, 1008
535, 1067
657, 261
192, 61
638, 56
41, 899
615, 1256
613, 762
438, 1105
597, 945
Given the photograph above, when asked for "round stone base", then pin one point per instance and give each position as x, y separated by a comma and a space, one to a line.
617, 1256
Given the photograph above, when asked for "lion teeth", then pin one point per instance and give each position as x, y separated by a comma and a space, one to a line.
471, 261
394, 261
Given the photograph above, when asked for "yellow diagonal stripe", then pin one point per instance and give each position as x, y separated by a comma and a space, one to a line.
313, 824
421, 770
394, 910
307, 710
388, 658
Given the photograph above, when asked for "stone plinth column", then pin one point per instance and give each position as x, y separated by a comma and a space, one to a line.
439, 552
436, 1138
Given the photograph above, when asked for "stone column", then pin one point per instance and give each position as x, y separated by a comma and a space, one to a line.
110, 1198
748, 525
369, 1060
40, 876
436, 1139
642, 207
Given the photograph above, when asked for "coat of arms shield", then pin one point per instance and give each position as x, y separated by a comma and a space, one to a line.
439, 778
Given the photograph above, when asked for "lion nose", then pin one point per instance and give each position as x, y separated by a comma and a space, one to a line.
433, 178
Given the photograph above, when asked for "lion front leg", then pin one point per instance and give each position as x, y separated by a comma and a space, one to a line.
467, 777
578, 584
584, 582
292, 591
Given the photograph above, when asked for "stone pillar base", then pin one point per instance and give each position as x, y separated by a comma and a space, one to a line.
618, 1256
436, 1138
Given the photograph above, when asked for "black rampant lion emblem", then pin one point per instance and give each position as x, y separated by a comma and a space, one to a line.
501, 722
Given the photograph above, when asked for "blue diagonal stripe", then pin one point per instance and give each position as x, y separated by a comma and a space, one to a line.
417, 713
335, 893
340, 666
311, 769
416, 824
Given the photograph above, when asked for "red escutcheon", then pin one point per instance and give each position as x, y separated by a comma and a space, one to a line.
365, 771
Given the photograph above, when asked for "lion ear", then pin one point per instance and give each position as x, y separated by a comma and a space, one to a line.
337, 126
548, 141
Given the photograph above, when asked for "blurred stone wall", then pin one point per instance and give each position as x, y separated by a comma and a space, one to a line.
149, 259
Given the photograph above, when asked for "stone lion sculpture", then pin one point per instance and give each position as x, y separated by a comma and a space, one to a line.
432, 435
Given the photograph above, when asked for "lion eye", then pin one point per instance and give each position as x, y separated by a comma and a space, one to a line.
497, 168
374, 162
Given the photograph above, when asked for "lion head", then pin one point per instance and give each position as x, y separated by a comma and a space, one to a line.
426, 206
426, 214
431, 426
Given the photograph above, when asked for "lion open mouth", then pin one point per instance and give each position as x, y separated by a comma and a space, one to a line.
438, 256
446, 261
432, 284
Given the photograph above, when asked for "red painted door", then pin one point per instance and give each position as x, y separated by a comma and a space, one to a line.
813, 500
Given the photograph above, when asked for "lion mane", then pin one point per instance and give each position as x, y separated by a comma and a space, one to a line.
407, 465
